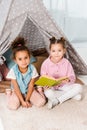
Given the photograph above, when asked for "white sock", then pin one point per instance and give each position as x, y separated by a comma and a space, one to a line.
77, 97
52, 103
55, 102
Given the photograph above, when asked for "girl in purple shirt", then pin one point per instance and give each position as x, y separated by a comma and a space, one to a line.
57, 66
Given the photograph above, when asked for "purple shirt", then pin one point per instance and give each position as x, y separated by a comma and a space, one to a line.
57, 70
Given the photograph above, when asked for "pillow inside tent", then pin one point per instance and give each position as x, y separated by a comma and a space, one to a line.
3, 72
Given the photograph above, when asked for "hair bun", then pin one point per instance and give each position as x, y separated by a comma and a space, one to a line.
19, 41
62, 39
53, 39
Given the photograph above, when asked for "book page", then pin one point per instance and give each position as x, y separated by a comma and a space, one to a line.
46, 81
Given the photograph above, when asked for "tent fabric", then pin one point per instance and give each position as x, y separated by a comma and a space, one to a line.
5, 13
32, 20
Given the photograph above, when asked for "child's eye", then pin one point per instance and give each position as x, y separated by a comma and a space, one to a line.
19, 58
59, 50
26, 58
53, 50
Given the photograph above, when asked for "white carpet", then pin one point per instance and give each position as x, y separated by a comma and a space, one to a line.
1, 125
71, 115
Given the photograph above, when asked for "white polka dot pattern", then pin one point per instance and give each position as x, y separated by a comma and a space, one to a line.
30, 19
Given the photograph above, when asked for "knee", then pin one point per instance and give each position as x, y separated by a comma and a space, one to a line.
41, 103
39, 89
13, 105
13, 102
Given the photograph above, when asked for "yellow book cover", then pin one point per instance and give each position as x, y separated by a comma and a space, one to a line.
47, 81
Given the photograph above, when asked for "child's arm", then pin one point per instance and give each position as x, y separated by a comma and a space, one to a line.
71, 73
18, 92
30, 89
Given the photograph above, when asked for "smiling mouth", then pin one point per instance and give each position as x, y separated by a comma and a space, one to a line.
57, 57
24, 64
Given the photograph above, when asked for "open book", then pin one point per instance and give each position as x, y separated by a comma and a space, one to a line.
47, 81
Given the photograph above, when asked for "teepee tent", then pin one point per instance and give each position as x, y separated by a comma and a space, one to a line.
30, 19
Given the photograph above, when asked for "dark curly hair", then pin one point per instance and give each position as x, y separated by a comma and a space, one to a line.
19, 45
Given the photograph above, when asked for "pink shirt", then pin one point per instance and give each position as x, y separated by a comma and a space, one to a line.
57, 70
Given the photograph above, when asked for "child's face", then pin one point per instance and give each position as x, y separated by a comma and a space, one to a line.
22, 59
57, 52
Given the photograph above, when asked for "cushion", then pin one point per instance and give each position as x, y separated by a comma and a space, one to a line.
3, 71
39, 62
39, 52
9, 61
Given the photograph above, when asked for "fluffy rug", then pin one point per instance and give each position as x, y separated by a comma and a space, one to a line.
1, 125
71, 115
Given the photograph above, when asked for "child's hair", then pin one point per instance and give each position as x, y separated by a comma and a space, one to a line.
19, 45
61, 41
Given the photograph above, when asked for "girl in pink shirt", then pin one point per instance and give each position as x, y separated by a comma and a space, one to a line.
57, 66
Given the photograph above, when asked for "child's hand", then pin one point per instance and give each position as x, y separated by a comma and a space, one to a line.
46, 87
26, 104
40, 89
23, 104
65, 81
